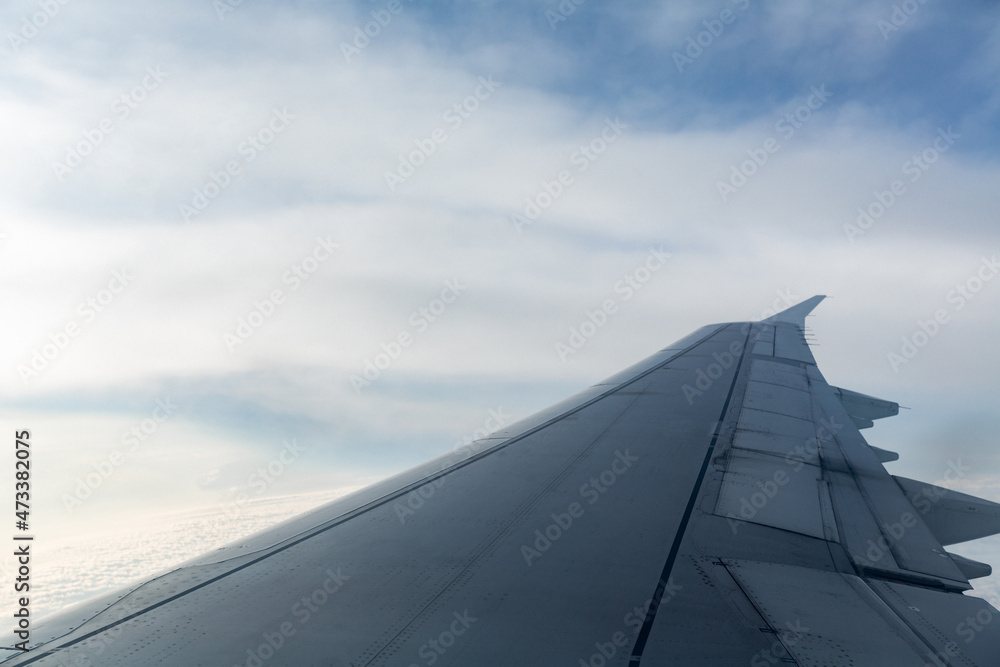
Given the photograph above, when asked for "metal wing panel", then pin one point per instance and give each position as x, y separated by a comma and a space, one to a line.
956, 628
781, 374
814, 629
496, 522
789, 343
775, 424
781, 400
758, 488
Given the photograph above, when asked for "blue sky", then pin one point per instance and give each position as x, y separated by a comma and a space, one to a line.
258, 115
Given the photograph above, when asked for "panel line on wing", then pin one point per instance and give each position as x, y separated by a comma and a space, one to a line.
647, 625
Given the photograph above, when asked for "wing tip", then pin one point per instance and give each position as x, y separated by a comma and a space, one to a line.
796, 314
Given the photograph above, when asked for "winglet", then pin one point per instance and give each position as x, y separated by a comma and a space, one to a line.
796, 314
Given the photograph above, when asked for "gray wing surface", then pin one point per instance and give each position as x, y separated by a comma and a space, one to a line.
715, 504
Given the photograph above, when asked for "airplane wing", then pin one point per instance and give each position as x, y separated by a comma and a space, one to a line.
714, 504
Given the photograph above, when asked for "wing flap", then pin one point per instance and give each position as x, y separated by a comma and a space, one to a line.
841, 623
972, 569
759, 488
884, 455
864, 409
953, 517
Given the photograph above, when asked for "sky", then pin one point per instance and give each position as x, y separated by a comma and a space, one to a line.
256, 255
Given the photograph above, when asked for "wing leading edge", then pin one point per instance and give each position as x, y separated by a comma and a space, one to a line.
714, 504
